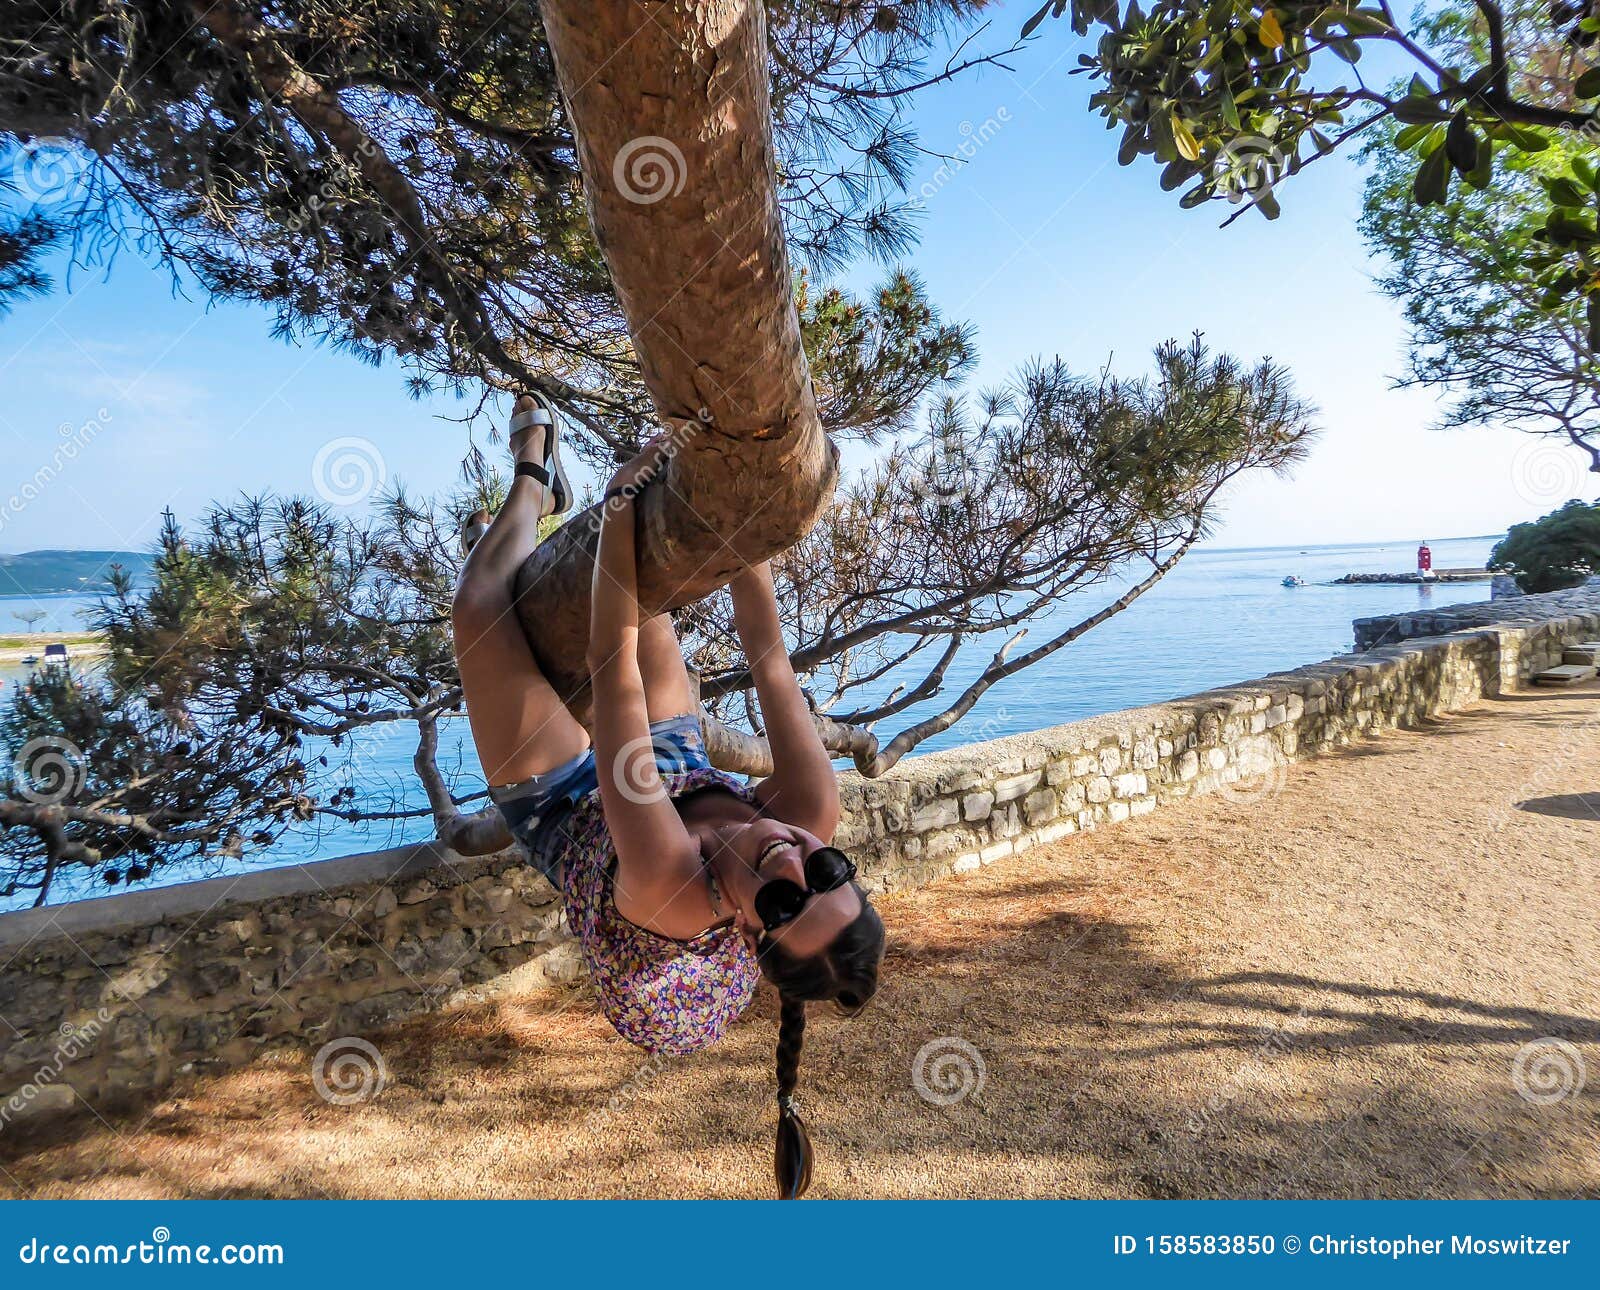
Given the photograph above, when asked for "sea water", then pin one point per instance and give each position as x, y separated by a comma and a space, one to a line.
1221, 616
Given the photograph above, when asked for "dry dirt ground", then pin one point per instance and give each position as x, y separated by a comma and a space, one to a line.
1382, 979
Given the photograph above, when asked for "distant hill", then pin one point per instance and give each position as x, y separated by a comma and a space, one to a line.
40, 573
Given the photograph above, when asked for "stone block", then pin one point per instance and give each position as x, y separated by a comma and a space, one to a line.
1131, 784
996, 851
1015, 786
940, 813
417, 892
1039, 806
499, 899
852, 831
977, 806
937, 846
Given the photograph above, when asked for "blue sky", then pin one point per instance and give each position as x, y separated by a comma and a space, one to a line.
1040, 239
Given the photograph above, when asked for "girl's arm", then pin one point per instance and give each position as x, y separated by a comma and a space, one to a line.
655, 855
802, 788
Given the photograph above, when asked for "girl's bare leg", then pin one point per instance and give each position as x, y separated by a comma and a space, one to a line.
519, 724
667, 692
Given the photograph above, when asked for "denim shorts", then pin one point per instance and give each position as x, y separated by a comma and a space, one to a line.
536, 809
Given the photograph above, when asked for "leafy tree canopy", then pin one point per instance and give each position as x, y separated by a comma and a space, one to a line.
1558, 550
1231, 97
400, 177
1484, 325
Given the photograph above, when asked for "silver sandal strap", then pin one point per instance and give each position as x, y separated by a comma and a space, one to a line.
532, 417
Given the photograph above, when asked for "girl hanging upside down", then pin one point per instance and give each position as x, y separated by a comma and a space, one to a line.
681, 883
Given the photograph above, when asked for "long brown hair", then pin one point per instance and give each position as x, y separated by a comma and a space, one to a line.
847, 973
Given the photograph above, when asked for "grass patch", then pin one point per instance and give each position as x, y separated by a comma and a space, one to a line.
49, 638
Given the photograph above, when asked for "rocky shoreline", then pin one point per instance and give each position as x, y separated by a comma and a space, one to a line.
1439, 575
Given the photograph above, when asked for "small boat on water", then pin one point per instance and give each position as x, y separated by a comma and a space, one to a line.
30, 660
1293, 580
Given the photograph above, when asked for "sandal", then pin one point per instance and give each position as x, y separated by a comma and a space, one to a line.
550, 473
472, 530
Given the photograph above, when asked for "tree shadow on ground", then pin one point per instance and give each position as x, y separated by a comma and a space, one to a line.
1103, 1067
1565, 806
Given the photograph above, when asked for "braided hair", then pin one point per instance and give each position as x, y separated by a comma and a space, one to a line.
792, 1161
846, 972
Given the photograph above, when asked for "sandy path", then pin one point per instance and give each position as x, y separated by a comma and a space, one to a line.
1324, 991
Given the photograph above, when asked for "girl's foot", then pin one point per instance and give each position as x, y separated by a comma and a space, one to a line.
536, 448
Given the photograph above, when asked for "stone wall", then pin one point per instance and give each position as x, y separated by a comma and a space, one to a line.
109, 997
1502, 610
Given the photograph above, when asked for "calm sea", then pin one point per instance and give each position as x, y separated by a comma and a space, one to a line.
1221, 616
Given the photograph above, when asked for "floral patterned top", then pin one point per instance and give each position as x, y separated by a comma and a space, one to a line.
666, 996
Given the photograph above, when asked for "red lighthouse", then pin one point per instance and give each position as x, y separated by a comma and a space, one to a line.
1424, 560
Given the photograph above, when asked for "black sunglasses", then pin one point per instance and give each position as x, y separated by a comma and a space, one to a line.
780, 901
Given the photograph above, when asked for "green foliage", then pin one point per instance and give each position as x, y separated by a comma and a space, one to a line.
101, 778
873, 361
399, 178
1483, 323
1008, 503
1231, 97
1558, 550
23, 243
239, 673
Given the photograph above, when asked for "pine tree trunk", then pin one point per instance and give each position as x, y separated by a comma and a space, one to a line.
670, 108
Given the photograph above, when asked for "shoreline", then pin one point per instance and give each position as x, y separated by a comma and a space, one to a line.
17, 646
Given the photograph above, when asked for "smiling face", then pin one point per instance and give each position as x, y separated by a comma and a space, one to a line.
746, 854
